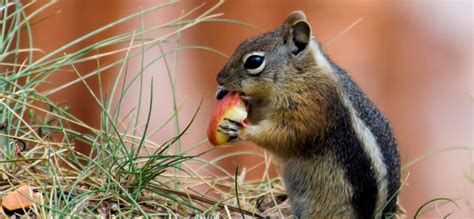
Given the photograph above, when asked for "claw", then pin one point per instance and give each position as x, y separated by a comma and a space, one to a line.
233, 139
229, 127
237, 123
228, 132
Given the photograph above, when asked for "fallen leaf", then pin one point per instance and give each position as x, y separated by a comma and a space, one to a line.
21, 198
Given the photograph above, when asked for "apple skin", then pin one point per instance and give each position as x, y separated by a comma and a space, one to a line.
232, 107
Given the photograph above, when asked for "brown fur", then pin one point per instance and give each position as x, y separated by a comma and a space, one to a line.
285, 117
330, 196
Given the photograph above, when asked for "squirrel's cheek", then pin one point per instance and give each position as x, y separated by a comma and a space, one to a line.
230, 112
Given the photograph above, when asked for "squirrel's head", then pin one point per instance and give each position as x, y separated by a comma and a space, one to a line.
274, 60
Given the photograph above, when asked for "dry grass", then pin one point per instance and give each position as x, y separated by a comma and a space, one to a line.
125, 173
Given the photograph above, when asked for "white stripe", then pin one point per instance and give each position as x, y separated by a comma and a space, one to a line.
321, 61
372, 149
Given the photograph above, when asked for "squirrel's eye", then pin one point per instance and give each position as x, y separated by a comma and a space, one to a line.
254, 62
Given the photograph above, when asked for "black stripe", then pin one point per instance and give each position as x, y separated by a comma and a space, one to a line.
345, 144
382, 131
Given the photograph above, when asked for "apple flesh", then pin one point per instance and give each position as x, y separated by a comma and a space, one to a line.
230, 107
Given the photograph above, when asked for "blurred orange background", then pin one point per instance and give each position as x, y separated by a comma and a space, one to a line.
412, 58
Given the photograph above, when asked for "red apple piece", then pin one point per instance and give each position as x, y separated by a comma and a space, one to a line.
230, 107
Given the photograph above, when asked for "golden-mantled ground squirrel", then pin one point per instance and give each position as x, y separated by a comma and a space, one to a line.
339, 153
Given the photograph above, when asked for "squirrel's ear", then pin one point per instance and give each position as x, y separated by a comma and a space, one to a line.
293, 17
298, 33
299, 36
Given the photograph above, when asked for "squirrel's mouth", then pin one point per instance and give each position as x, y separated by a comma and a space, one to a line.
222, 92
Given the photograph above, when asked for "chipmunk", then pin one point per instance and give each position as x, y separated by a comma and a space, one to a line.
339, 153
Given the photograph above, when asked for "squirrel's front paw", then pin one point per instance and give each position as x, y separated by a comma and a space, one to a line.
231, 128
